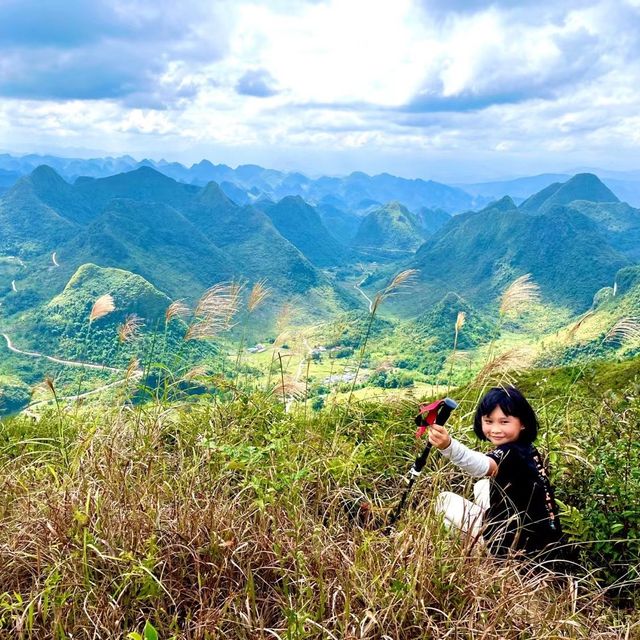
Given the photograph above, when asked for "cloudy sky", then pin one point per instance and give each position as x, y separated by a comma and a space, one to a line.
443, 89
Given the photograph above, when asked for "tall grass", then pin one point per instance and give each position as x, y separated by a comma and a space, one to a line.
398, 283
226, 521
225, 518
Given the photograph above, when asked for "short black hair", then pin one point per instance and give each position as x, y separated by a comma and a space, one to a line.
512, 403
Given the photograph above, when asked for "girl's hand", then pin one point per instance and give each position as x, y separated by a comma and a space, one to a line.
439, 437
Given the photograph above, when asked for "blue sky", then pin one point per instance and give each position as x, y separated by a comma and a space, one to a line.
449, 90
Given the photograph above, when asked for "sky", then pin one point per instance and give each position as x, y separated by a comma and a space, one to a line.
451, 90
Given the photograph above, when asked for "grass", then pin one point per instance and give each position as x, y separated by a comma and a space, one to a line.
227, 515
227, 520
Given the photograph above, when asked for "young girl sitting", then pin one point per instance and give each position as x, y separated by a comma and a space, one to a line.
514, 509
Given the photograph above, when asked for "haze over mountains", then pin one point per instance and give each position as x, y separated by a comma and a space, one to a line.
248, 183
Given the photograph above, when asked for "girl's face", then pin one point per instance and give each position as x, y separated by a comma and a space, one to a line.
500, 428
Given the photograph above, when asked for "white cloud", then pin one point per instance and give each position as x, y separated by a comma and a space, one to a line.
408, 81
339, 51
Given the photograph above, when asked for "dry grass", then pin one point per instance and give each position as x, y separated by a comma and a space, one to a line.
133, 368
177, 309
401, 281
258, 294
215, 311
101, 307
504, 367
130, 327
520, 294
209, 529
290, 388
199, 371
623, 330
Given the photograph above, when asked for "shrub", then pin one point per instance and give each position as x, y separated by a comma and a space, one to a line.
604, 485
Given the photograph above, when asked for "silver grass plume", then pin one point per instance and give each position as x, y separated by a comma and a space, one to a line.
401, 280
215, 311
198, 371
290, 388
506, 365
133, 369
623, 330
101, 307
258, 294
130, 327
521, 293
177, 309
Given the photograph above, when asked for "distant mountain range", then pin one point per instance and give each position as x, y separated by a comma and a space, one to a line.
181, 238
572, 236
354, 193
626, 186
248, 184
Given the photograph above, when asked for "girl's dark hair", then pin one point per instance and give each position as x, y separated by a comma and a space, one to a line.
512, 403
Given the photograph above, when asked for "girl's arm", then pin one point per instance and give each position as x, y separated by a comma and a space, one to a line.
473, 462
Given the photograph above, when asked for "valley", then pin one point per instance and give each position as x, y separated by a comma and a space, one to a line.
151, 241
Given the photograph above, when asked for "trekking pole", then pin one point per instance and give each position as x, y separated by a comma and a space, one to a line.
436, 412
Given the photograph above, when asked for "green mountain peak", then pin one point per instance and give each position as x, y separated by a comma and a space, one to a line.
301, 224
392, 227
504, 204
44, 176
582, 186
213, 196
131, 293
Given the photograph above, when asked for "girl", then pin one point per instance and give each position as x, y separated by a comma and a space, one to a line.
514, 509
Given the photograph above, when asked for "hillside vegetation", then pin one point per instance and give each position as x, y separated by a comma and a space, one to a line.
180, 238
227, 518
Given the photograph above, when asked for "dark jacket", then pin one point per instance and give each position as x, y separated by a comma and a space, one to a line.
523, 514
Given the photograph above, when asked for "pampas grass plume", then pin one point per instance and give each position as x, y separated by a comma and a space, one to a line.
507, 364
625, 329
215, 311
521, 293
259, 293
133, 369
130, 327
401, 280
101, 307
177, 309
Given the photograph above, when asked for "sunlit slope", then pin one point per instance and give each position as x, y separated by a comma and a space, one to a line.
392, 227
478, 253
302, 225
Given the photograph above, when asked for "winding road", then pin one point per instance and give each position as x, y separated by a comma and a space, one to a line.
74, 363
134, 376
367, 298
71, 363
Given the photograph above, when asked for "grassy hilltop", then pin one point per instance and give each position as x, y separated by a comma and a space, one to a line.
226, 518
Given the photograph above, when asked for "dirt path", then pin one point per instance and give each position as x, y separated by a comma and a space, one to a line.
71, 363
366, 297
